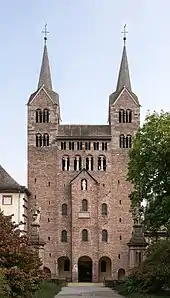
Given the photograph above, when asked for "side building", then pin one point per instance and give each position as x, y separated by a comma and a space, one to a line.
77, 175
14, 200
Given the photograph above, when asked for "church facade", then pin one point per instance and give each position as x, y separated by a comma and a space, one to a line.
77, 175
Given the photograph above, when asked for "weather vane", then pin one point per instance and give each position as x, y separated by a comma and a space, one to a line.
124, 34
45, 32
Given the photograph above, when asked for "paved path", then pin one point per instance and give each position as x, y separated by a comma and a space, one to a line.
87, 291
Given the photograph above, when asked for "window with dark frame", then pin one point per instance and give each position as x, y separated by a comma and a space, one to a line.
104, 236
84, 235
6, 200
64, 236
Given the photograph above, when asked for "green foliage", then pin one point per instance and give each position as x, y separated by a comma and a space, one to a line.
154, 273
19, 262
5, 289
149, 169
47, 289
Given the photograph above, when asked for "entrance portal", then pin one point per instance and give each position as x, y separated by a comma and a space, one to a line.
85, 269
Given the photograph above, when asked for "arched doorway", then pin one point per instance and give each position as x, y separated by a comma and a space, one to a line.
64, 269
47, 272
105, 268
85, 269
121, 274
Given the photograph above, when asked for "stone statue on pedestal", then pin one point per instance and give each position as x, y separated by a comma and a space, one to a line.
36, 215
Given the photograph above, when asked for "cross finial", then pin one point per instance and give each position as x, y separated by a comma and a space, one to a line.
45, 33
124, 34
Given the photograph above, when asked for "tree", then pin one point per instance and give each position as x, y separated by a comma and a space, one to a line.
149, 170
19, 262
153, 274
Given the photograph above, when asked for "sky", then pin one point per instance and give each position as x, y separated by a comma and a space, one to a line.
85, 48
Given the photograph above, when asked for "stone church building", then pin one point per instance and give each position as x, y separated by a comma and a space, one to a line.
77, 175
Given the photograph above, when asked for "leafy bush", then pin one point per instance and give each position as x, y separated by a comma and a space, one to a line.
154, 273
19, 262
5, 289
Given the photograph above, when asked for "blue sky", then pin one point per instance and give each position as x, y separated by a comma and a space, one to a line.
85, 47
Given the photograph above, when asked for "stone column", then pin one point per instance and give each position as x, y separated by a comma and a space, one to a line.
75, 272
95, 272
56, 269
77, 163
66, 163
101, 168
89, 159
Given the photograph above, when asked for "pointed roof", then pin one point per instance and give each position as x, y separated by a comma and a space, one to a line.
7, 183
124, 77
45, 74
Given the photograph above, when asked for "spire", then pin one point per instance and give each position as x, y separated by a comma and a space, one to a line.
45, 74
124, 77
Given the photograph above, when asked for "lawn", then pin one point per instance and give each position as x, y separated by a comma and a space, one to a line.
48, 290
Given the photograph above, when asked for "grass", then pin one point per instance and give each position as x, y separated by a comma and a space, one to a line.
48, 290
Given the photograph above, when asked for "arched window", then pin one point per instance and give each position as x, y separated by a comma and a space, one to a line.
77, 163
102, 163
83, 184
38, 116
64, 209
65, 163
64, 236
84, 205
103, 266
38, 140
67, 265
46, 140
104, 209
121, 116
128, 141
128, 116
89, 163
104, 236
46, 115
122, 141
84, 235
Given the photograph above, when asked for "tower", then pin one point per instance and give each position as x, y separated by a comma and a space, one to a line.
43, 122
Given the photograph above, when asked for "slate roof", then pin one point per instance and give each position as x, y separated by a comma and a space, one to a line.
123, 80
7, 183
45, 74
84, 131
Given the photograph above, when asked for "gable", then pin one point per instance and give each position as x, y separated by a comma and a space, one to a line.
83, 174
44, 94
115, 97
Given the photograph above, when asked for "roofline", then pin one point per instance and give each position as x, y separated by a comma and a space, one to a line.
38, 91
129, 92
108, 137
19, 189
87, 173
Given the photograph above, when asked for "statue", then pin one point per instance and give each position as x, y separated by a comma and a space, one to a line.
84, 184
136, 215
36, 215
